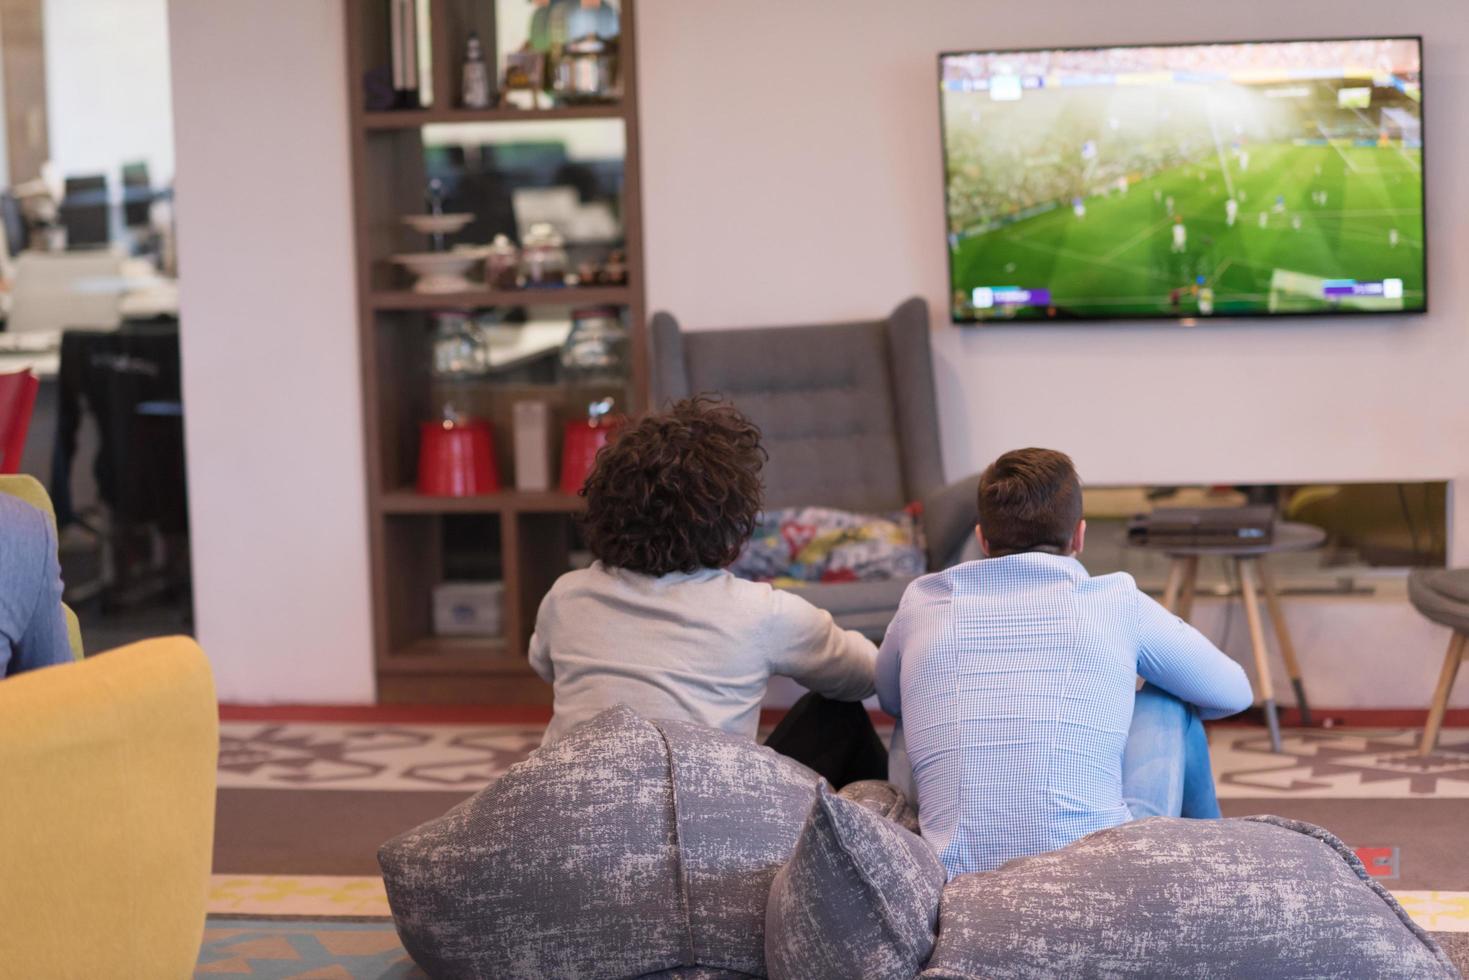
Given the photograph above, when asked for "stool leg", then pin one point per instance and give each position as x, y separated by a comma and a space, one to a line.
1175, 580
1251, 598
1188, 588
1282, 636
1451, 660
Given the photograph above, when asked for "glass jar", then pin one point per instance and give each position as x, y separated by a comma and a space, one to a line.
543, 256
459, 347
502, 264
597, 344
586, 71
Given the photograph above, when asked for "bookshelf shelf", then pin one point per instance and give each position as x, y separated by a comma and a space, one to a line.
417, 118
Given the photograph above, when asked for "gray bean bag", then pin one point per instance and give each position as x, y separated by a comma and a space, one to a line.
626, 848
1257, 898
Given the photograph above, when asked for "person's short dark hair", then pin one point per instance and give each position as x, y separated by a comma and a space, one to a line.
676, 491
1029, 500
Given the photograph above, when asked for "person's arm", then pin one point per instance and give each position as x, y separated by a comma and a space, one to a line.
805, 644
539, 650
889, 670
1179, 659
540, 659
44, 641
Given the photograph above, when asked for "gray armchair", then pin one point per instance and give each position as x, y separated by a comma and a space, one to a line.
850, 422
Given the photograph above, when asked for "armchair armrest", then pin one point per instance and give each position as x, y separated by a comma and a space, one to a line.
949, 516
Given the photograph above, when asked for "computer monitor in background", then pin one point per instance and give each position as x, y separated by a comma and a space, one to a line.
137, 194
84, 212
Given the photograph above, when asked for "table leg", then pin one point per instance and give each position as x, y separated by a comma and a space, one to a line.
1176, 571
1250, 594
1457, 647
1188, 588
1282, 636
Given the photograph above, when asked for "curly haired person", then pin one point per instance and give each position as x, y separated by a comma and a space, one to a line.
658, 623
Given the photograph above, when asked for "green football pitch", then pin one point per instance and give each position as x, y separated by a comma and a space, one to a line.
1345, 212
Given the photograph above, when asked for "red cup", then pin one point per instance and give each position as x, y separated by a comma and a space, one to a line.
456, 459
584, 439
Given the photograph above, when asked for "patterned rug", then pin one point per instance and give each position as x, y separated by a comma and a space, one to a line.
390, 757
1340, 764
1327, 763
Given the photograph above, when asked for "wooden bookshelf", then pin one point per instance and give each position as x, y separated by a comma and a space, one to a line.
408, 501
415, 118
523, 539
406, 299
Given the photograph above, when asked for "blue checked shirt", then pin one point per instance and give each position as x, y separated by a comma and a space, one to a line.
1014, 680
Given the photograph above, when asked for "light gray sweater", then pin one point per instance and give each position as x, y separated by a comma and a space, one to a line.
696, 646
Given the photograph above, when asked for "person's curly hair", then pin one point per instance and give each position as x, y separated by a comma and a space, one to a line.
676, 491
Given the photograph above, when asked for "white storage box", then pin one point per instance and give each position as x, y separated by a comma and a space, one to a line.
469, 608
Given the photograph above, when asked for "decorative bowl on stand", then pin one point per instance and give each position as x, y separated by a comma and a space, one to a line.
441, 272
437, 224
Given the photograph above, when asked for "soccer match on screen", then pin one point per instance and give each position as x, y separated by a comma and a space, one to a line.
1185, 181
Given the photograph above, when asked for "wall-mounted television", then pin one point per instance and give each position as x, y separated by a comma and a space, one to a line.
1185, 181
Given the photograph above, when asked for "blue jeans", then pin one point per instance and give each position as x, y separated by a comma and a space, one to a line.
1165, 767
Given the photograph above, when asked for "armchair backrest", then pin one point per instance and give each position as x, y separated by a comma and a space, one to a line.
847, 409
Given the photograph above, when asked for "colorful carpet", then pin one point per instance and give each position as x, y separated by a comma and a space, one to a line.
266, 949
304, 896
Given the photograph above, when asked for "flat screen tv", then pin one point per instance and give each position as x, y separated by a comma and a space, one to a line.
1185, 181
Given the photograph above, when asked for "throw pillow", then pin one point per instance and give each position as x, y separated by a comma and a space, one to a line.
1164, 897
858, 899
818, 544
627, 847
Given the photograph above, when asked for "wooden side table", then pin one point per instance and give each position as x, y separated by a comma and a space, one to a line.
1254, 581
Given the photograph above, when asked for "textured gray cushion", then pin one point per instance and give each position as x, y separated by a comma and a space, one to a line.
1258, 897
626, 848
1442, 595
858, 899
885, 800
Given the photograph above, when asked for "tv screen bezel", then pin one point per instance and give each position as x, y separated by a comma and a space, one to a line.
1062, 318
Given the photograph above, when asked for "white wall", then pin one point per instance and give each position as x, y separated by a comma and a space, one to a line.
792, 172
107, 87
270, 350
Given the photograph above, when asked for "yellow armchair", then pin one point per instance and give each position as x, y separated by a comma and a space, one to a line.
29, 489
107, 777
